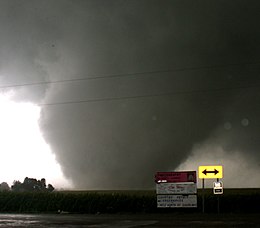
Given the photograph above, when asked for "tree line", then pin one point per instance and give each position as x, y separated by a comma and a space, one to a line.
28, 185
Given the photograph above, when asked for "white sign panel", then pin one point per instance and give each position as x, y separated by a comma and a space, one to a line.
176, 188
176, 201
218, 187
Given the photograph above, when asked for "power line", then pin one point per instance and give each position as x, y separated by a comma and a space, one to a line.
144, 73
149, 95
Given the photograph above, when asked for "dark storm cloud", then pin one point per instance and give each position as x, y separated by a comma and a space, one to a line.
26, 45
121, 143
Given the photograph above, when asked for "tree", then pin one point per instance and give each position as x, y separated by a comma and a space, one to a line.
32, 185
4, 187
43, 183
50, 188
17, 186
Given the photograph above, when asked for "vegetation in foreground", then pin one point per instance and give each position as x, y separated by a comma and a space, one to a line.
232, 201
28, 185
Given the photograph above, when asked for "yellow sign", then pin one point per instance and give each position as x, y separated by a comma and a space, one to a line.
210, 172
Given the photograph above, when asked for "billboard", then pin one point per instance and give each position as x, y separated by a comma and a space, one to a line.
176, 177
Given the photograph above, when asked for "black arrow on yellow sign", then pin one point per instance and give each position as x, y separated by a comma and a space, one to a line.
206, 172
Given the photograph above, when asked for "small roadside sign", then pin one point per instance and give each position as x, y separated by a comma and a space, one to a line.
218, 187
210, 172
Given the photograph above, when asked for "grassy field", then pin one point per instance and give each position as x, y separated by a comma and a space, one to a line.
244, 200
232, 201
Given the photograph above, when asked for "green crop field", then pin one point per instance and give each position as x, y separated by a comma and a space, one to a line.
232, 201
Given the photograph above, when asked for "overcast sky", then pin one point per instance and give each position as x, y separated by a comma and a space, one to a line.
138, 86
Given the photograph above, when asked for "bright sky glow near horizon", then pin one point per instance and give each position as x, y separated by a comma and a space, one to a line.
24, 152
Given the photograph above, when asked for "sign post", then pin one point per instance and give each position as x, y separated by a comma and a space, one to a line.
176, 189
218, 189
203, 195
211, 172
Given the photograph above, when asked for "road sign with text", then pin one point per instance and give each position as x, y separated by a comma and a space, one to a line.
218, 187
210, 172
176, 201
176, 188
175, 177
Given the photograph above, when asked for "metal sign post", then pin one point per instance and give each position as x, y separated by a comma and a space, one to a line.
203, 196
211, 172
218, 189
218, 197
